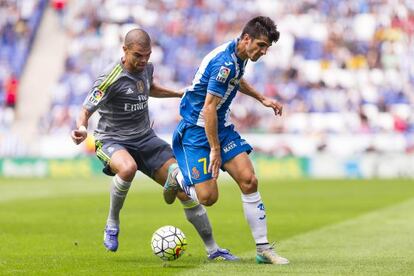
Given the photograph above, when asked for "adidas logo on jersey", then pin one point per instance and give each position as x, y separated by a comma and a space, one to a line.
129, 91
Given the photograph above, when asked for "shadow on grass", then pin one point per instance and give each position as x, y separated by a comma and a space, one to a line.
151, 262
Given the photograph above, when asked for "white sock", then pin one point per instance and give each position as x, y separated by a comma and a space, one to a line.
256, 216
119, 190
193, 193
180, 179
189, 190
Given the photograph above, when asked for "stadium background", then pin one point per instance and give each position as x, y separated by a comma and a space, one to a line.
344, 71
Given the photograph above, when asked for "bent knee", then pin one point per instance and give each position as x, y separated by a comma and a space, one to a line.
249, 185
208, 200
128, 169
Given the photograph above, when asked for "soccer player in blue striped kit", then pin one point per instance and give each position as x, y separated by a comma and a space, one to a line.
205, 140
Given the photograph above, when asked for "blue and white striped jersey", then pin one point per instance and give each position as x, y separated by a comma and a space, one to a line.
219, 74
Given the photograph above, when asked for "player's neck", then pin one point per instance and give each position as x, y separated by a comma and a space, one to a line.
241, 51
128, 67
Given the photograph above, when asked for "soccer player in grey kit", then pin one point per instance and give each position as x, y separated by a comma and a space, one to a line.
125, 141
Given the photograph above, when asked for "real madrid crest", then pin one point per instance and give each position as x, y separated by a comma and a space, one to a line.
140, 86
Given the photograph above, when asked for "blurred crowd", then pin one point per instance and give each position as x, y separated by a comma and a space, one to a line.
339, 67
18, 23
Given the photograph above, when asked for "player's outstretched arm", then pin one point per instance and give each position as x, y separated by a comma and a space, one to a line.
79, 135
158, 91
247, 89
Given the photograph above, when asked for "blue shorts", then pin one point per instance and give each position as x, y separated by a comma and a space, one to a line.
192, 150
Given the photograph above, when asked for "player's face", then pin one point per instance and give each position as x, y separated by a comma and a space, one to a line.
257, 47
136, 57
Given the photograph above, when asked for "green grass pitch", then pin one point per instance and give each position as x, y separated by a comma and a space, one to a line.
325, 227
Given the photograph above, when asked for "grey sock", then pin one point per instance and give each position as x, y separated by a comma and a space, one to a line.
197, 215
260, 247
118, 193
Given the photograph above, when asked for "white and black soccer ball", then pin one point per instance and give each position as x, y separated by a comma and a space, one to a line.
168, 243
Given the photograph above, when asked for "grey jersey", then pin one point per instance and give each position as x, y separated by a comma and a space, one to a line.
121, 99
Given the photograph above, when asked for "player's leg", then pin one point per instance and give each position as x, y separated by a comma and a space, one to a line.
118, 163
167, 176
195, 213
124, 167
241, 170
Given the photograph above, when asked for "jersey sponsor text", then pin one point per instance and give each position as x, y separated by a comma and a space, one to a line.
135, 107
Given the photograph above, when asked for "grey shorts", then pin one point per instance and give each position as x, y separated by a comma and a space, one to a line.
149, 152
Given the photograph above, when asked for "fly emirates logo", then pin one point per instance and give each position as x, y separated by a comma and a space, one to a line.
129, 107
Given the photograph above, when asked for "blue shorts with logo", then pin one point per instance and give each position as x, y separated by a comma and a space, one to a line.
192, 150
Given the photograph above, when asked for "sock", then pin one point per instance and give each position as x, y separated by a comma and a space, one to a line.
197, 215
255, 214
189, 190
180, 179
192, 193
118, 193
262, 246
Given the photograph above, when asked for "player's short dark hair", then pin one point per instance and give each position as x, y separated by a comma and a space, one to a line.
259, 26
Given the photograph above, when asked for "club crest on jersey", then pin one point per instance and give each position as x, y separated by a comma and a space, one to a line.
223, 74
140, 86
195, 173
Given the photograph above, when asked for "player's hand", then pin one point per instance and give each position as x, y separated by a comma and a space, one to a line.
277, 107
215, 163
79, 135
181, 93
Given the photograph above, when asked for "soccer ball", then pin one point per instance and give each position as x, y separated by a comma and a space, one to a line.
168, 243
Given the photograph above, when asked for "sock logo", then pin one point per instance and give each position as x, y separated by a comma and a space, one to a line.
262, 208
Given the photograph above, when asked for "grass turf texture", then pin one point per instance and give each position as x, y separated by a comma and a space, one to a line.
55, 226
